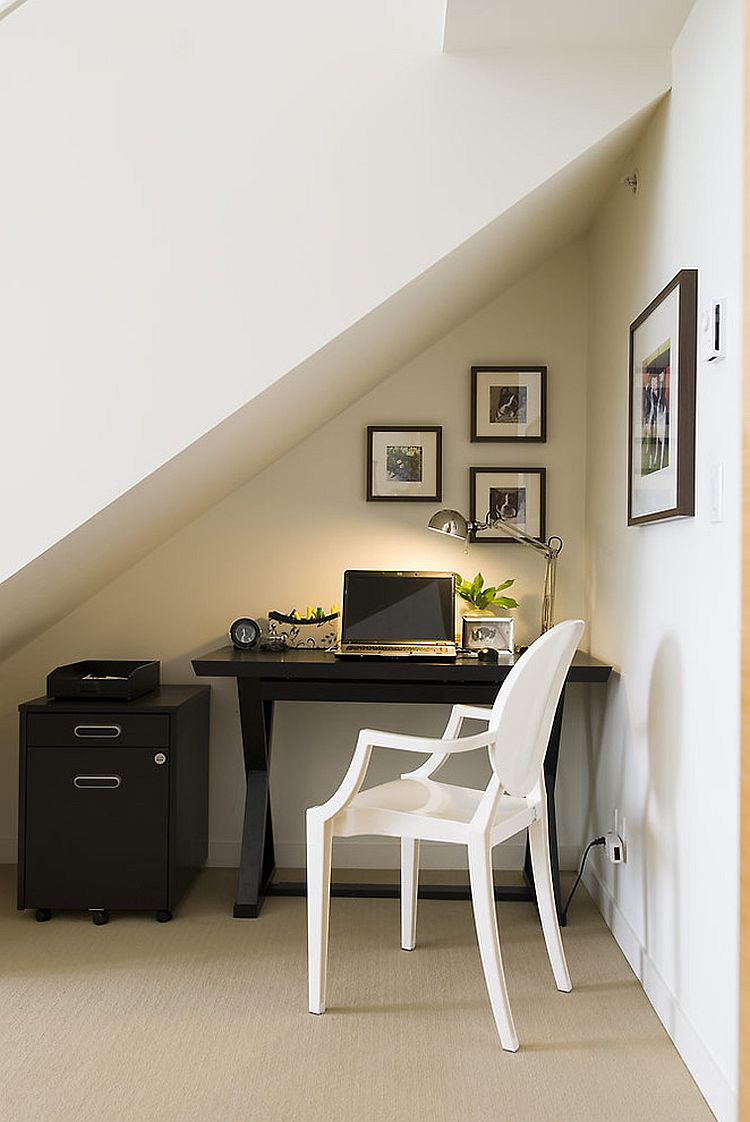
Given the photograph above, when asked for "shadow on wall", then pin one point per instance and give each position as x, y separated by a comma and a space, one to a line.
597, 707
607, 735
661, 852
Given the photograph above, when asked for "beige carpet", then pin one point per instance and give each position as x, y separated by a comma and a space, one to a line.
205, 1018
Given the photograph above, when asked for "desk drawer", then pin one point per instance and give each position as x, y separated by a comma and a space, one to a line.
123, 730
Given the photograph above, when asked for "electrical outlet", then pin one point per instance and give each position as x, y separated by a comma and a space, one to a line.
614, 848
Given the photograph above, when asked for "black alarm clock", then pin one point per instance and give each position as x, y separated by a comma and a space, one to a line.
244, 634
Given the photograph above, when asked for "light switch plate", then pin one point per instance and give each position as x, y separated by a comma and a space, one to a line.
713, 331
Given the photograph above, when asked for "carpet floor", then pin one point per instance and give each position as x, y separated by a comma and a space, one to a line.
205, 1018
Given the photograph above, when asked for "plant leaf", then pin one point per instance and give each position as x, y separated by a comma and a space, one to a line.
506, 602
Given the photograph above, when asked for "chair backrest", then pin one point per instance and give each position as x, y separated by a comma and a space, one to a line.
525, 707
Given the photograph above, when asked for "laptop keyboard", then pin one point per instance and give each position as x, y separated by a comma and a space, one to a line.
390, 651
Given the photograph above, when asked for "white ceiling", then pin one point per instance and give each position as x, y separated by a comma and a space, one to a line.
482, 25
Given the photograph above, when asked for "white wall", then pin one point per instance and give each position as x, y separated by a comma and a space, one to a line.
196, 198
664, 598
286, 536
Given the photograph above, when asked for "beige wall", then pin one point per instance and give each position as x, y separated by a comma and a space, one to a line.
285, 537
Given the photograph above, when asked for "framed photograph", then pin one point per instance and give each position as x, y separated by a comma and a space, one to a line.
404, 464
487, 631
508, 403
516, 495
661, 391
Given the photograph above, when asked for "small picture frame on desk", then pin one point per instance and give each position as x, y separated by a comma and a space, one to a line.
478, 632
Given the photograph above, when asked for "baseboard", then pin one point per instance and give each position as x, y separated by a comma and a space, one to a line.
381, 853
719, 1095
352, 853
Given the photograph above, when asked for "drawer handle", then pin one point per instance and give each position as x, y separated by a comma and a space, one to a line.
99, 731
86, 781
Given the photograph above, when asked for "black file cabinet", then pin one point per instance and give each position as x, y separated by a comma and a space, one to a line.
113, 802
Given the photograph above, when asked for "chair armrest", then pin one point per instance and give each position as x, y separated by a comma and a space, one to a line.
472, 712
377, 739
374, 738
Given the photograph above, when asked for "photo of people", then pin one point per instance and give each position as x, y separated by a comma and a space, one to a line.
404, 463
508, 404
508, 503
655, 411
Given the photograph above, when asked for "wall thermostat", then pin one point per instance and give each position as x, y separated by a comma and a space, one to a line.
713, 331
244, 633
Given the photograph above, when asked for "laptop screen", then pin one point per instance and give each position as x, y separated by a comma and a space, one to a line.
382, 607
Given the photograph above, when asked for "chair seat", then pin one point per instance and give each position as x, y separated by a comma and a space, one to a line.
423, 808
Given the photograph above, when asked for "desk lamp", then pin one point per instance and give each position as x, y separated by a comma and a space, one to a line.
452, 523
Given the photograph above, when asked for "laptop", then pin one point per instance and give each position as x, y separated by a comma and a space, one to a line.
397, 615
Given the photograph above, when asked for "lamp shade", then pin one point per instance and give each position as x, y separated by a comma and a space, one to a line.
450, 522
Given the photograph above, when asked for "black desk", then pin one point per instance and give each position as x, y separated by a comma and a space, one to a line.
264, 677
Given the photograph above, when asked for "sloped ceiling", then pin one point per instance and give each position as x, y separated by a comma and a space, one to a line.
8, 6
255, 436
483, 25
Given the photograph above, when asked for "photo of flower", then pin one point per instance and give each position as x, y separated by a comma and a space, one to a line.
404, 462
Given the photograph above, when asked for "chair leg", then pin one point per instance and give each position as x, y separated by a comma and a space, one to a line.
409, 885
485, 919
319, 840
545, 898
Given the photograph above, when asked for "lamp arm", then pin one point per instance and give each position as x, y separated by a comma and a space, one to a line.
547, 548
550, 550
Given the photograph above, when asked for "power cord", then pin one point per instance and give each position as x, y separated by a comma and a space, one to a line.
596, 841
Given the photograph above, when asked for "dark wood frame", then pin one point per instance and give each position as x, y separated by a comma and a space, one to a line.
475, 371
687, 282
478, 516
437, 497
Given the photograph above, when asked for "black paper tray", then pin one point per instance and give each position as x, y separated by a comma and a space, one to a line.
103, 678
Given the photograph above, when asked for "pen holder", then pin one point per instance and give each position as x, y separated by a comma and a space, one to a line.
290, 632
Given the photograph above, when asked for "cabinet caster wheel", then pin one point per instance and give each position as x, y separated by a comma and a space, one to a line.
99, 916
43, 914
163, 916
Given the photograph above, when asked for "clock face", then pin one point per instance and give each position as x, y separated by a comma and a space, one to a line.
244, 633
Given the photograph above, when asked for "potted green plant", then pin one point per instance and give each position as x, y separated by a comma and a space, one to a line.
484, 599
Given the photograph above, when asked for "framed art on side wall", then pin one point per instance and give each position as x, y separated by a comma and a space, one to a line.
404, 464
517, 495
508, 404
661, 391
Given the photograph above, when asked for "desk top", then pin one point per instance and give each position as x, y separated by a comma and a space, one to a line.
305, 663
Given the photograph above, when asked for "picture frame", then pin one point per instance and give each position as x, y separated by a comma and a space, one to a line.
479, 631
508, 404
661, 404
516, 493
404, 463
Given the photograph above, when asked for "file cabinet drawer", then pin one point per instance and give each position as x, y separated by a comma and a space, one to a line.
124, 730
112, 802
